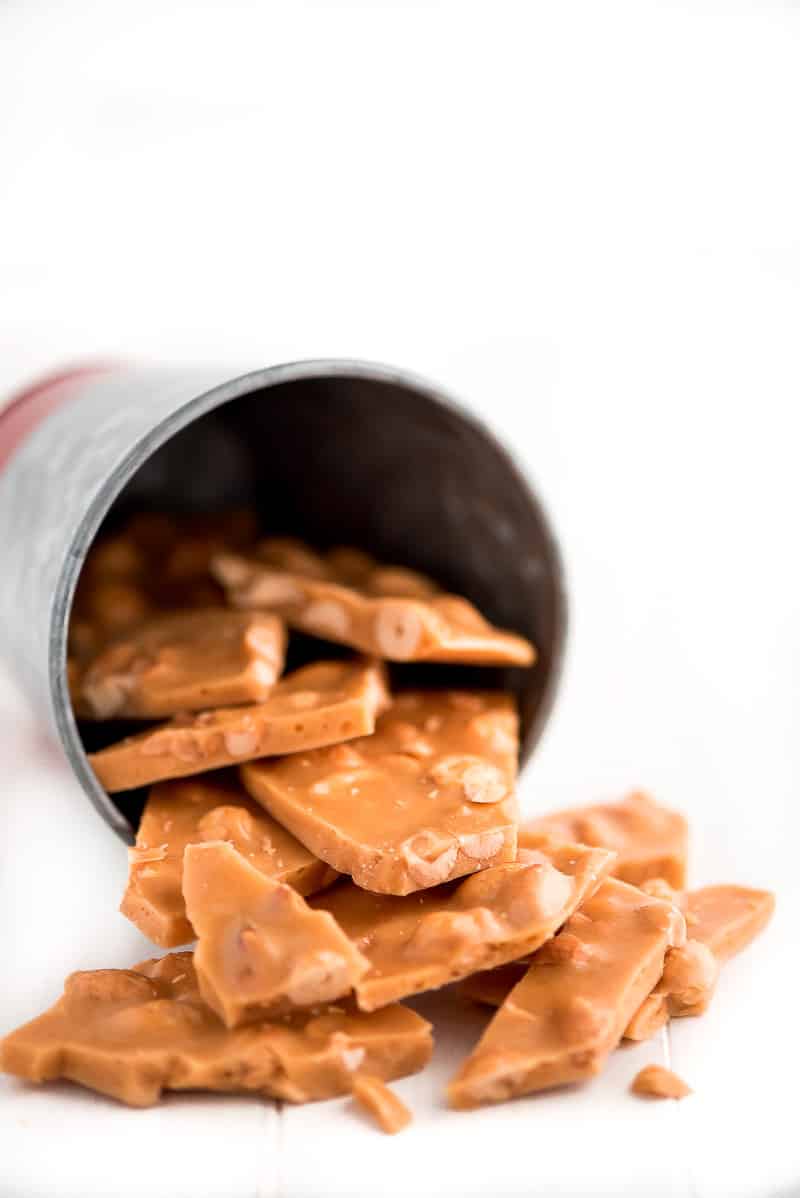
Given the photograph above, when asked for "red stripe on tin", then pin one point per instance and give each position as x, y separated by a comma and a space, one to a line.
28, 409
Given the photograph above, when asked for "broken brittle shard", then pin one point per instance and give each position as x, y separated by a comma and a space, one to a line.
131, 1033
261, 950
651, 841
728, 918
193, 811
720, 922
347, 597
563, 1019
157, 563
374, 1096
654, 1081
427, 798
321, 704
183, 661
424, 940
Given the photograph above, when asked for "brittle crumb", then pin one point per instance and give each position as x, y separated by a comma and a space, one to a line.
654, 1081
374, 1096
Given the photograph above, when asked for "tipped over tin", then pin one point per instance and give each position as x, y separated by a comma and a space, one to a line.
332, 451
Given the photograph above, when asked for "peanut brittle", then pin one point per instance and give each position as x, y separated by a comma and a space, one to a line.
132, 1033
427, 798
261, 949
427, 939
650, 841
347, 597
720, 922
184, 661
193, 811
374, 1096
654, 1081
321, 704
569, 1011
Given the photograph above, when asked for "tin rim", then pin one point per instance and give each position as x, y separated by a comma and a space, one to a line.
186, 414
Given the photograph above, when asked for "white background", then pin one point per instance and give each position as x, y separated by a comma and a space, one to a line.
584, 219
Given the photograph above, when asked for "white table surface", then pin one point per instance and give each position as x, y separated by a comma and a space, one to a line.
584, 219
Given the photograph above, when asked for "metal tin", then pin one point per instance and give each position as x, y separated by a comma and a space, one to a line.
335, 451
